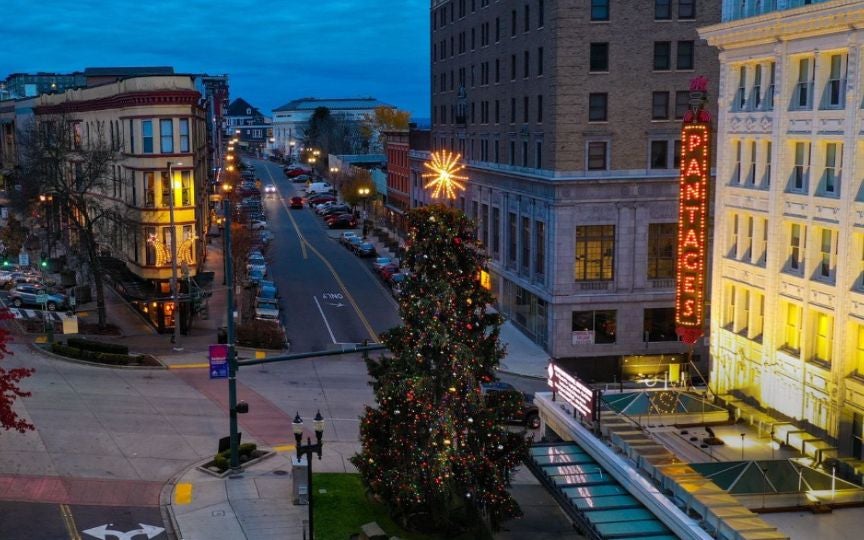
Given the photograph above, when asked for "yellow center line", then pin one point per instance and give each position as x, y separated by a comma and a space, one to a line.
339, 282
69, 522
290, 217
183, 493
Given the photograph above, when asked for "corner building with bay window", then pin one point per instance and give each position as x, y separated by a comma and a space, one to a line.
152, 121
787, 320
568, 116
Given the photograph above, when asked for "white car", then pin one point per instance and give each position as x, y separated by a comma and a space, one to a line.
266, 310
269, 188
259, 224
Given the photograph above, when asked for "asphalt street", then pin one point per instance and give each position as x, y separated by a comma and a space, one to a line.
330, 297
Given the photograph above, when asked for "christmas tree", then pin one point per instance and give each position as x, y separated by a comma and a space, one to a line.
435, 451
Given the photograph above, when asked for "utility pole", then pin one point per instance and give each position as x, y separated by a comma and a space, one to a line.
232, 357
175, 283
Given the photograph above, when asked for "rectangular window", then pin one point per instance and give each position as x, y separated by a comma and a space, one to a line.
524, 153
801, 168
166, 135
131, 137
833, 160
733, 237
599, 325
826, 254
682, 103
538, 155
756, 93
526, 64
184, 134
149, 189
150, 246
599, 10
662, 10
540, 109
736, 170
186, 188
804, 87
525, 108
539, 61
792, 328
484, 235
662, 243
676, 154
512, 67
795, 246
824, 337
684, 57
597, 156
511, 238
660, 105
751, 172
662, 55
496, 231
527, 18
686, 9
859, 351
526, 244
512, 110
729, 315
539, 248
512, 153
147, 136
166, 190
659, 324
659, 154
513, 23
834, 89
599, 57
497, 111
597, 103
541, 14
594, 253
497, 29
497, 70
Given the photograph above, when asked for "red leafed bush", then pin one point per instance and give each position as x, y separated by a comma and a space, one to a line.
9, 389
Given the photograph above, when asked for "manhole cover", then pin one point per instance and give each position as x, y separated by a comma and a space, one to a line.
280, 472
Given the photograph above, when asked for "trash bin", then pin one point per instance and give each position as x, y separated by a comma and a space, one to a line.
222, 335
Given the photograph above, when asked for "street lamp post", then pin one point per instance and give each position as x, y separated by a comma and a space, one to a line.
233, 437
175, 285
308, 449
364, 193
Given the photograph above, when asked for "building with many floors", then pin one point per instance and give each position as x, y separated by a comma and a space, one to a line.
252, 129
153, 121
568, 117
787, 313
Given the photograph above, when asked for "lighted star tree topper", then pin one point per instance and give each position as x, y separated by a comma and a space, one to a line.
444, 173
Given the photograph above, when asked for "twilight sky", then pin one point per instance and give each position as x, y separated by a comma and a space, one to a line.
273, 50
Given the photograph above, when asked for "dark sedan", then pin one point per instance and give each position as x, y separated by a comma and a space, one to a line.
342, 221
365, 249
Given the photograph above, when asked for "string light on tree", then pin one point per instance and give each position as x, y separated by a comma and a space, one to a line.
444, 173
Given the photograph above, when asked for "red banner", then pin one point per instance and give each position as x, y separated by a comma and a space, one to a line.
690, 267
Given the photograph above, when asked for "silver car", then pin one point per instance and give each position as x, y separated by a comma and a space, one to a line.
28, 294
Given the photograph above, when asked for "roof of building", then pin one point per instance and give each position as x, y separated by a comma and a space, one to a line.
239, 106
309, 103
127, 71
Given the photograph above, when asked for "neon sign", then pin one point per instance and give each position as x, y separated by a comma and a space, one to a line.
692, 231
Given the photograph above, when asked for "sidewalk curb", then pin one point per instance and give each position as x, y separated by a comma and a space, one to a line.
523, 375
166, 506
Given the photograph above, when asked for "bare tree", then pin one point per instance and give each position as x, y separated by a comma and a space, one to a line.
59, 159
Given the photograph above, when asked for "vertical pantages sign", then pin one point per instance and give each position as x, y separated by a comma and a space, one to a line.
691, 264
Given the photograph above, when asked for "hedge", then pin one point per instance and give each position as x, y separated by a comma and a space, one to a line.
93, 356
97, 346
265, 334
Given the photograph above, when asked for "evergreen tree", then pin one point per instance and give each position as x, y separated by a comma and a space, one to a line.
434, 450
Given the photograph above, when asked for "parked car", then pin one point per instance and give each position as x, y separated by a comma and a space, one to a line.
353, 243
295, 172
319, 199
297, 202
257, 262
347, 235
342, 221
528, 414
266, 309
397, 281
380, 262
265, 236
388, 270
254, 276
365, 249
257, 224
336, 209
27, 294
330, 218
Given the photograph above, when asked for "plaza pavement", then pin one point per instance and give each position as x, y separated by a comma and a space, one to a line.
113, 436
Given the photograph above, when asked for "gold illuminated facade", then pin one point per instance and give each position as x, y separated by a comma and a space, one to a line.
787, 305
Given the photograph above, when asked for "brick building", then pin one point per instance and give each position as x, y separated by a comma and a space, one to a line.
568, 115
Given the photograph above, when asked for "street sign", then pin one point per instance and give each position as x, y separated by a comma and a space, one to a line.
23, 259
218, 361
41, 298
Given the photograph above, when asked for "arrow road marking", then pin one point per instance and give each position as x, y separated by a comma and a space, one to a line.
102, 532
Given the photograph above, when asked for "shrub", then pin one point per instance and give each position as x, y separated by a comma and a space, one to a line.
84, 354
265, 334
98, 346
247, 448
221, 462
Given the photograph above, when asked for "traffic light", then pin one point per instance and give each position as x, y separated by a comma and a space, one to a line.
43, 260
5, 262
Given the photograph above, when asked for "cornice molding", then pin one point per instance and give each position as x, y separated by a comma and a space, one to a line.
787, 25
148, 98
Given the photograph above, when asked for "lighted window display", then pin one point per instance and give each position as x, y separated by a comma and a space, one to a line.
661, 250
792, 329
824, 329
595, 253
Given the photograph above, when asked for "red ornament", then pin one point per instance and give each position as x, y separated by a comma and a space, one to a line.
457, 240
469, 326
